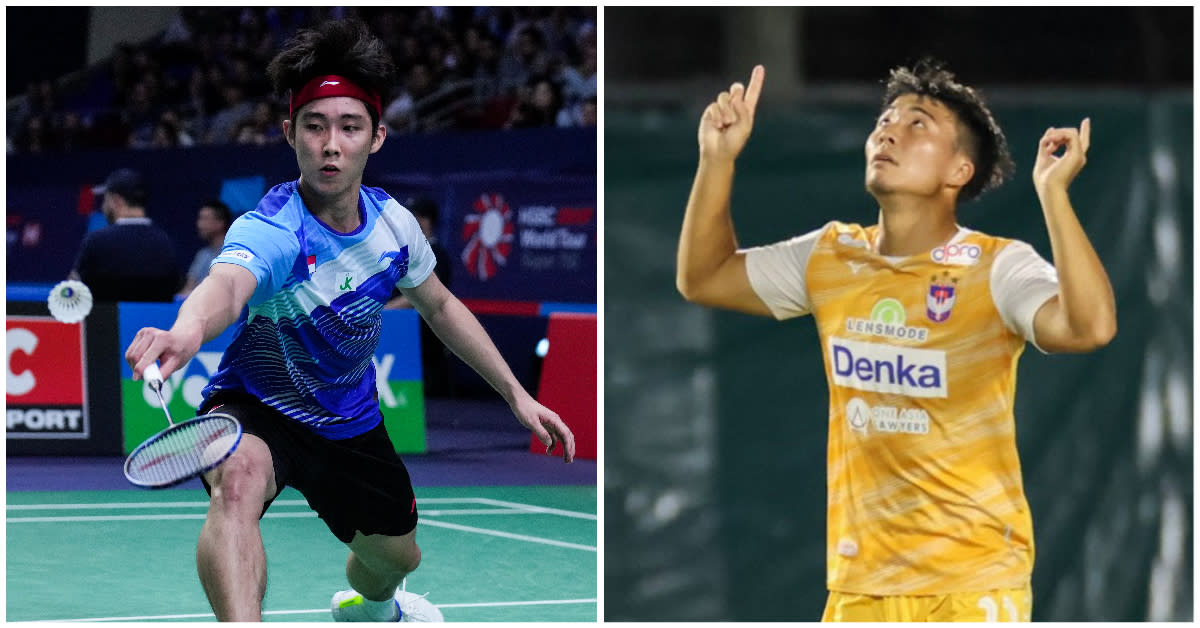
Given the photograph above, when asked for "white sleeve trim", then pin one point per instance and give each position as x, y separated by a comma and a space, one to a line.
1021, 282
776, 273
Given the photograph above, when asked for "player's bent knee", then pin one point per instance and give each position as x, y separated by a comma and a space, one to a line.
248, 476
400, 559
395, 555
413, 560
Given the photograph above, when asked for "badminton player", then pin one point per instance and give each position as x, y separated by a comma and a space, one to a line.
921, 322
304, 277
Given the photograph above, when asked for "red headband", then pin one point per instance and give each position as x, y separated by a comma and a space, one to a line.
332, 85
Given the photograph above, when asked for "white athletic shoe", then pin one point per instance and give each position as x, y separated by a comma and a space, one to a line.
415, 607
348, 606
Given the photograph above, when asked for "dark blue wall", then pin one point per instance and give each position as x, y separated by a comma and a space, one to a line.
48, 204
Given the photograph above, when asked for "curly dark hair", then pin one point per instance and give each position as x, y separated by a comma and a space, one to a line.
985, 143
343, 47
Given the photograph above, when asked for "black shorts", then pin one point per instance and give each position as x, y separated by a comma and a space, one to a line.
356, 484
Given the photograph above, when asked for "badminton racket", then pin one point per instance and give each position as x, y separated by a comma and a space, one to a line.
183, 450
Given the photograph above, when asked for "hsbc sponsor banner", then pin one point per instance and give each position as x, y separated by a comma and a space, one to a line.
523, 240
46, 383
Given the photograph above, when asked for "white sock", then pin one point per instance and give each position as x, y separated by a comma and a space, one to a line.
381, 611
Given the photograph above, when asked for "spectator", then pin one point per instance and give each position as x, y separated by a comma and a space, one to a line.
224, 125
587, 112
254, 86
261, 128
404, 114
169, 132
47, 98
526, 57
203, 100
254, 39
579, 81
212, 223
140, 116
23, 108
131, 259
189, 67
36, 135
539, 104
488, 96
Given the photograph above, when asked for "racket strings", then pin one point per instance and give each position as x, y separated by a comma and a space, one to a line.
183, 451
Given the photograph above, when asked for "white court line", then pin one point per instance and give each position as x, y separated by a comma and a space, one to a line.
269, 515
122, 505
295, 515
204, 504
116, 505
484, 501
508, 535
317, 611
537, 603
174, 517
536, 509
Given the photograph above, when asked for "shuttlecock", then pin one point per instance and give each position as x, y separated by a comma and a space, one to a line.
70, 301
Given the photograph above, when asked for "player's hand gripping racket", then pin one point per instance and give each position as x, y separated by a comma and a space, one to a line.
182, 451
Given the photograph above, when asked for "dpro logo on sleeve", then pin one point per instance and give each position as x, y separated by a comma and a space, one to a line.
886, 368
957, 254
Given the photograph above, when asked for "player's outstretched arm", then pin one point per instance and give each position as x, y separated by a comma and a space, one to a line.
458, 328
1083, 316
213, 306
710, 270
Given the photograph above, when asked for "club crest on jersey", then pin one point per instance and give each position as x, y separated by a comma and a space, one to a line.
312, 264
939, 301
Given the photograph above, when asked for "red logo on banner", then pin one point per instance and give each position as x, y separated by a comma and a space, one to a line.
44, 362
575, 215
488, 233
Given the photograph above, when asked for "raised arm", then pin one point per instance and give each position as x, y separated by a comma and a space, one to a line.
710, 269
213, 306
458, 328
1083, 316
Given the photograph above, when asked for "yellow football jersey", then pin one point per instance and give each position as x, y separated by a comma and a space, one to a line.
924, 487
1009, 605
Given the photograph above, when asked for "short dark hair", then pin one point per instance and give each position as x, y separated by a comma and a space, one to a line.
222, 210
985, 142
129, 184
343, 47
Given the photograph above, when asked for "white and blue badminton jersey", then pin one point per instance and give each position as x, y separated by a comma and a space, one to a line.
305, 340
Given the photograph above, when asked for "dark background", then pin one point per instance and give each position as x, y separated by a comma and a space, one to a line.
1051, 47
58, 42
715, 422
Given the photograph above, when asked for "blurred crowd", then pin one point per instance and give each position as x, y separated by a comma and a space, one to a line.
202, 81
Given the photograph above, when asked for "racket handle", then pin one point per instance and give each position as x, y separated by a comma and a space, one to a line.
153, 376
